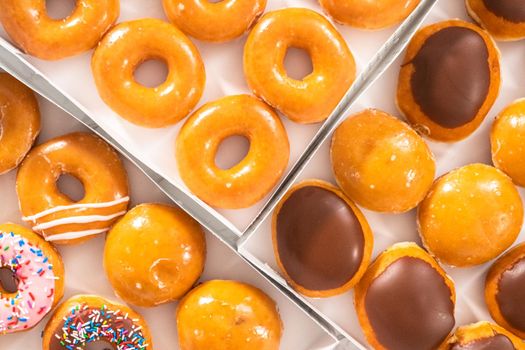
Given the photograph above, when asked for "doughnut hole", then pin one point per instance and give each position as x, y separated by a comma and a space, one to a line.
60, 9
8, 280
99, 345
151, 73
231, 151
70, 186
298, 63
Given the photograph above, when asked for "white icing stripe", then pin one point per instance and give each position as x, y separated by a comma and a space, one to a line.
75, 206
75, 234
77, 220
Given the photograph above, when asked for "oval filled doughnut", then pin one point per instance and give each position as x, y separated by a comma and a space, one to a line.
31, 28
19, 121
31, 278
53, 214
126, 47
482, 336
254, 176
214, 21
86, 319
313, 98
503, 19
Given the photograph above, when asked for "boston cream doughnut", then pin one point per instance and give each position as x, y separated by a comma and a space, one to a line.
87, 319
380, 162
54, 215
313, 98
154, 254
31, 278
368, 14
503, 19
483, 336
405, 300
449, 80
31, 28
214, 21
470, 216
321, 240
228, 315
254, 176
128, 45
19, 121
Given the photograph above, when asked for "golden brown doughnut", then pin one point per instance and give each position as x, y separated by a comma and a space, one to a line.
503, 19
31, 28
470, 216
228, 315
254, 176
214, 21
449, 79
128, 45
19, 121
313, 98
154, 254
482, 336
380, 162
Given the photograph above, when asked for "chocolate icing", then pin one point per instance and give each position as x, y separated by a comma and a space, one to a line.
319, 238
497, 342
452, 76
8, 280
409, 306
510, 295
511, 10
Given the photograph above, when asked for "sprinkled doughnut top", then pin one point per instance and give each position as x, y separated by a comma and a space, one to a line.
34, 284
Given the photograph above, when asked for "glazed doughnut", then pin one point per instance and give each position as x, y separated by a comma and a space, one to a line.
367, 14
127, 46
19, 121
85, 319
214, 21
31, 278
254, 176
228, 315
503, 19
482, 336
313, 98
30, 27
53, 214
154, 254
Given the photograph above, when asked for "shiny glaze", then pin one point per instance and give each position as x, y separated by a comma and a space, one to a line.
471, 215
89, 159
19, 121
254, 176
154, 254
482, 336
372, 143
504, 19
214, 21
510, 10
311, 99
497, 342
128, 45
228, 315
30, 27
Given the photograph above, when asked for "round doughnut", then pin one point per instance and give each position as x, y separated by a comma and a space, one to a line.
154, 254
313, 98
31, 278
470, 216
127, 46
368, 14
482, 336
449, 79
19, 121
503, 19
53, 214
86, 319
228, 315
30, 27
372, 143
214, 21
254, 176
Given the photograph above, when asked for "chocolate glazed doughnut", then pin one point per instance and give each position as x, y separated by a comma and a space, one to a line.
482, 336
503, 19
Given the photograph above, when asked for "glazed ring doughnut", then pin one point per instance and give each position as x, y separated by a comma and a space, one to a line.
215, 22
128, 45
30, 27
309, 100
31, 278
19, 122
85, 319
503, 19
54, 215
254, 176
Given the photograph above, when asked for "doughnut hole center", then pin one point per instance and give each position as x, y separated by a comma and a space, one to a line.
232, 150
8, 280
60, 9
215, 1
99, 345
151, 73
298, 63
70, 186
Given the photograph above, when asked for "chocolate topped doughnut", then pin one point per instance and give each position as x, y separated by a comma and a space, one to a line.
504, 19
497, 342
511, 10
482, 336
